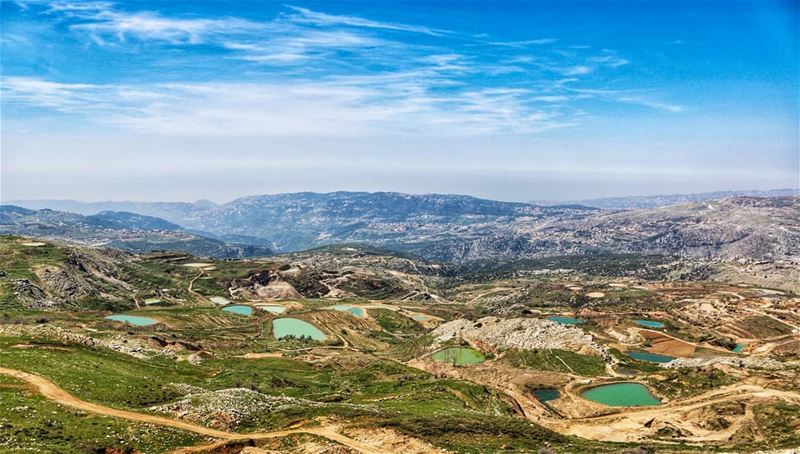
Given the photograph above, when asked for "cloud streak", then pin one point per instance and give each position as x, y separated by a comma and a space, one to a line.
322, 74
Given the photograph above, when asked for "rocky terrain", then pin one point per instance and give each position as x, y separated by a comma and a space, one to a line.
519, 333
459, 229
352, 348
742, 228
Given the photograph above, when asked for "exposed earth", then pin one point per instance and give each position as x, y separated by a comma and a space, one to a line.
719, 361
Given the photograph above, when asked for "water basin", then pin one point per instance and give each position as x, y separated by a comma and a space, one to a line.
566, 320
283, 327
272, 308
239, 310
357, 311
459, 356
621, 395
545, 395
649, 323
651, 357
738, 348
132, 319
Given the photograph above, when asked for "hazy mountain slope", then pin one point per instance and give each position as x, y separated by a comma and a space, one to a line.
300, 221
305, 220
126, 231
456, 228
741, 227
663, 200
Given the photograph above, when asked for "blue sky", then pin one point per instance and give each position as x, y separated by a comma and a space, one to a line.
515, 101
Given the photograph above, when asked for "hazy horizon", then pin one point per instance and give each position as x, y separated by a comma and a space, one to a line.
508, 101
795, 191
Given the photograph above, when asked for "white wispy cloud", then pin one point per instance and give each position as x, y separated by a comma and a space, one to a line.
305, 15
337, 107
104, 23
426, 89
628, 97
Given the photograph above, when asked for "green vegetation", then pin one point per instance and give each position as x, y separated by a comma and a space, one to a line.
779, 423
762, 326
393, 322
490, 433
683, 383
362, 373
31, 423
557, 361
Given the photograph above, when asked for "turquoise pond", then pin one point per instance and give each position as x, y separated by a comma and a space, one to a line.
132, 319
271, 308
566, 320
421, 317
649, 323
283, 327
621, 395
545, 395
739, 347
239, 310
357, 311
651, 357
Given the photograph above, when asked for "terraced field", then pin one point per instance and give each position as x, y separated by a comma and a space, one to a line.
406, 357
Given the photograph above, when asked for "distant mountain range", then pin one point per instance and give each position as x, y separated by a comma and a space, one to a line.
657, 201
305, 220
121, 230
450, 228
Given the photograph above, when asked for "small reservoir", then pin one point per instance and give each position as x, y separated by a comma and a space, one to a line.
651, 357
459, 356
649, 323
621, 395
566, 320
247, 311
271, 308
132, 319
284, 327
545, 395
357, 311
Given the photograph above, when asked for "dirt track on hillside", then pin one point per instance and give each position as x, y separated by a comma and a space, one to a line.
51, 391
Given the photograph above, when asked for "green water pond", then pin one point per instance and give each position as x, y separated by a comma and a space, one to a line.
621, 395
566, 320
357, 311
132, 319
239, 310
649, 323
459, 356
651, 357
545, 395
272, 308
283, 327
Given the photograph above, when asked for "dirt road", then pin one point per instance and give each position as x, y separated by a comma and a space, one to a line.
51, 391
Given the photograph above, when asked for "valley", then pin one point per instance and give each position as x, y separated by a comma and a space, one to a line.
350, 348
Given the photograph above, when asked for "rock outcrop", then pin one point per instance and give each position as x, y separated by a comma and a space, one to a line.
520, 333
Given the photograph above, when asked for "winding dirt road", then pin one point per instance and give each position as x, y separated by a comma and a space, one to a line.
51, 391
